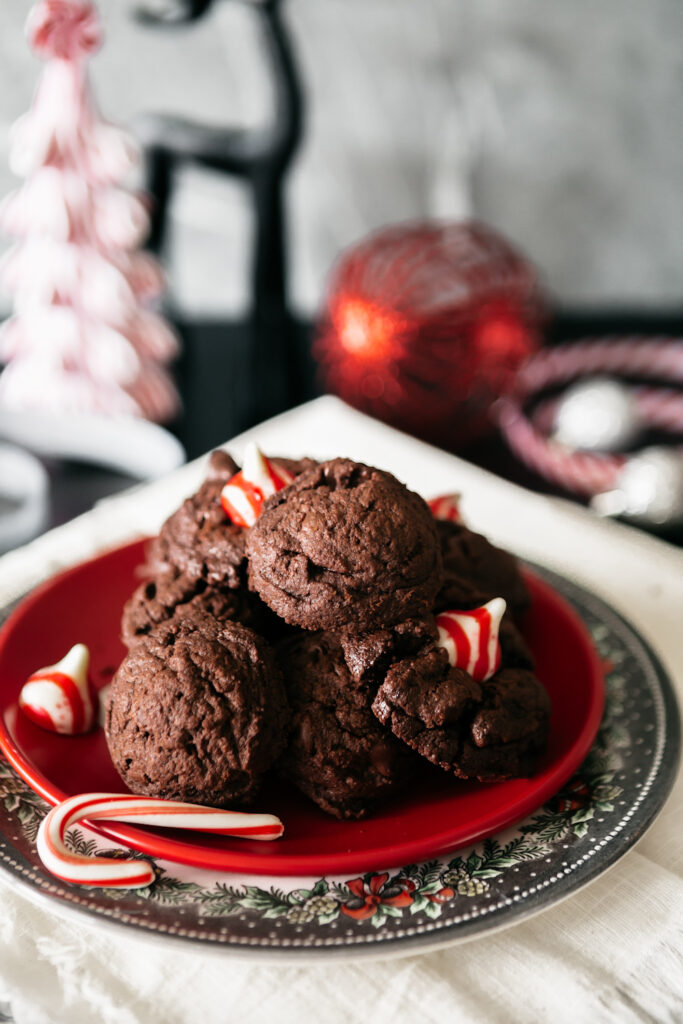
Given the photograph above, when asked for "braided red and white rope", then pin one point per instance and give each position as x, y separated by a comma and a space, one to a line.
589, 473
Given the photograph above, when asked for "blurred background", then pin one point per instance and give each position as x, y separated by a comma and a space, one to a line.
559, 125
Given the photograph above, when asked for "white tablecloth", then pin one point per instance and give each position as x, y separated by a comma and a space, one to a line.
611, 952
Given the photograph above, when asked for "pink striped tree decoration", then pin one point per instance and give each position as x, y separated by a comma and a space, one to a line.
85, 336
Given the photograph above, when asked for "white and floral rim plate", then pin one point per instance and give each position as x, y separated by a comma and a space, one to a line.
584, 829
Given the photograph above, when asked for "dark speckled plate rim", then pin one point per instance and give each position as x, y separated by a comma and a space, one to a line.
640, 815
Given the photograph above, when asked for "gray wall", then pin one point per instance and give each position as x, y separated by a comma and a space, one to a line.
560, 121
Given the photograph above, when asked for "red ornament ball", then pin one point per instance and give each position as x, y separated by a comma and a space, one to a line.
426, 325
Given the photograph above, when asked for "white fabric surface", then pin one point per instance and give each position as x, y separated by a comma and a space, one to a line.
611, 952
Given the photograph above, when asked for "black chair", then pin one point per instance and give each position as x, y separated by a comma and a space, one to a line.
260, 158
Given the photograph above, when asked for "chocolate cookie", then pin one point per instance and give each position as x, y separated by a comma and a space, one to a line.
475, 571
509, 731
197, 712
337, 754
369, 655
155, 601
345, 545
295, 466
198, 541
490, 730
426, 703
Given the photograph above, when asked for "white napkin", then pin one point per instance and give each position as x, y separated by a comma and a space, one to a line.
611, 952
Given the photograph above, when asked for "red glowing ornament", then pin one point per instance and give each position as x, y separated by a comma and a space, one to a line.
426, 326
365, 329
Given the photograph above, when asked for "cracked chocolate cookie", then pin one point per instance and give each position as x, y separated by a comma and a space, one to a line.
425, 701
345, 545
155, 601
509, 731
338, 754
487, 730
198, 542
474, 571
370, 655
197, 712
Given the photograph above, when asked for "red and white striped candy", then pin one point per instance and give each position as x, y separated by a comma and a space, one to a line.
446, 507
58, 697
471, 638
243, 496
133, 874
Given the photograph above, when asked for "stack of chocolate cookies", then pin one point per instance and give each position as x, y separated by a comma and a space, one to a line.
307, 644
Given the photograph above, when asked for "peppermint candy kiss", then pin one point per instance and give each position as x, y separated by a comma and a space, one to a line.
446, 507
58, 698
471, 638
133, 874
243, 496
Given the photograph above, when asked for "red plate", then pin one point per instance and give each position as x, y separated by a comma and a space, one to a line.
439, 814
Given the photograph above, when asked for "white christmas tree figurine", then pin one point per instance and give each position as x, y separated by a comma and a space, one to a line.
83, 337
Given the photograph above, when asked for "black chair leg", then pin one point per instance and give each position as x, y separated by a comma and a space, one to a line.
159, 185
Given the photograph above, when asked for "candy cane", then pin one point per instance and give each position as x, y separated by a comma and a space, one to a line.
653, 357
656, 408
133, 874
58, 697
471, 638
582, 472
446, 507
243, 496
